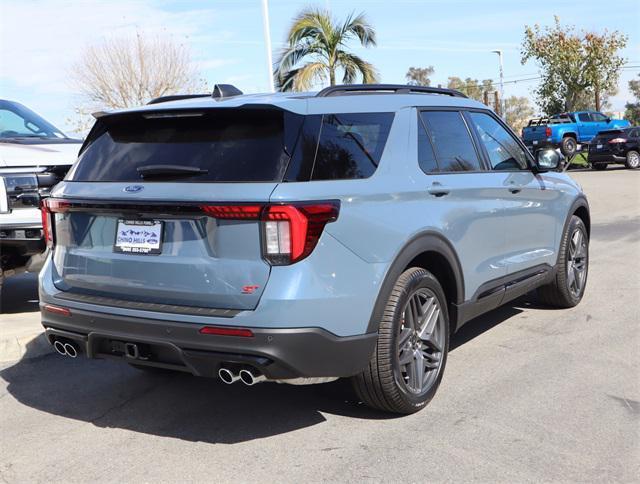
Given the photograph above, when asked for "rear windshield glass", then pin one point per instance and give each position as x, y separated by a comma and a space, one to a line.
222, 145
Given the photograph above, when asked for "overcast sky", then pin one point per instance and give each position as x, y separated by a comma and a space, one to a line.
40, 40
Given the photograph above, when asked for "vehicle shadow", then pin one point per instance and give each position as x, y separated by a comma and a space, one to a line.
19, 294
111, 394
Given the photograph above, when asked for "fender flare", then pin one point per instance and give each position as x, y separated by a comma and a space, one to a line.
579, 202
427, 241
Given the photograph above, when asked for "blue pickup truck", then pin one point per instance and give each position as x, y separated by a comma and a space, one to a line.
567, 130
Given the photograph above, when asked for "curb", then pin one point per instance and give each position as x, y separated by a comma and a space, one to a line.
24, 347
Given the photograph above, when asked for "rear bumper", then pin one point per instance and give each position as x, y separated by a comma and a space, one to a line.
595, 157
277, 353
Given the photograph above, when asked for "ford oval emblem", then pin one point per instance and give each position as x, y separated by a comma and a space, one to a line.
133, 188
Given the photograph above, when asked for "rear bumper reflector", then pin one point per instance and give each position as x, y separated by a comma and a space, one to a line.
50, 308
216, 330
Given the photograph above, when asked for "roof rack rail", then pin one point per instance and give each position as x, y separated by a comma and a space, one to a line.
386, 88
175, 97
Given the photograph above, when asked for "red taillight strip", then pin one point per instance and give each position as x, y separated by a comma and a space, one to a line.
217, 330
234, 212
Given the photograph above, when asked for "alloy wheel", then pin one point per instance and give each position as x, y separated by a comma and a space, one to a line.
421, 341
577, 262
634, 160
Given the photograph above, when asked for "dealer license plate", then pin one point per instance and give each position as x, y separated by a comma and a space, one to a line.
138, 237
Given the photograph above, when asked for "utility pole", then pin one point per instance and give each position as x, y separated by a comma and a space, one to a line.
267, 43
499, 52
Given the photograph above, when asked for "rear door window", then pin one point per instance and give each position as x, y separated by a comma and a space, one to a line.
426, 156
454, 148
225, 145
350, 145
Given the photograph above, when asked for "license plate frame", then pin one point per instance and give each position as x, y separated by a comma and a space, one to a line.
598, 147
147, 242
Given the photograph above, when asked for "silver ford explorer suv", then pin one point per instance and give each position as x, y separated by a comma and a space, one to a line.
305, 237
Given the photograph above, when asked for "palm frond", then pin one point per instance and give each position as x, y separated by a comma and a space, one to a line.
308, 74
361, 28
354, 65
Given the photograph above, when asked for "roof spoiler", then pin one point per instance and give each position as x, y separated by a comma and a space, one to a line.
386, 89
220, 91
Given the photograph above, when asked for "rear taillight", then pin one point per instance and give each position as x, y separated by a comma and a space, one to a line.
617, 140
46, 224
290, 232
48, 207
547, 132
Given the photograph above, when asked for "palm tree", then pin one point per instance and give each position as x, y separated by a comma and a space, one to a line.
316, 38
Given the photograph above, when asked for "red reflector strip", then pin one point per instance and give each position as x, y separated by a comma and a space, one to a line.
57, 310
245, 333
250, 212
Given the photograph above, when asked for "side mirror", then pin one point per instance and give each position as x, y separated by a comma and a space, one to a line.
608, 120
547, 159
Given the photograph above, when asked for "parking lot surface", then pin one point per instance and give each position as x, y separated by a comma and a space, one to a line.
529, 394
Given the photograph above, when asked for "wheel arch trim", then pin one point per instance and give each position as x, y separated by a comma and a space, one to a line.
427, 241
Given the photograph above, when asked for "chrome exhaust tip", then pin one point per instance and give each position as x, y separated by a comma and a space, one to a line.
227, 376
59, 346
250, 378
71, 350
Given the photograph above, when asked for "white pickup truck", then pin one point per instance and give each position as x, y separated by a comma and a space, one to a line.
34, 156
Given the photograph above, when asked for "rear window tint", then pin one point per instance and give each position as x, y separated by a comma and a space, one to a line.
426, 157
350, 145
229, 145
451, 140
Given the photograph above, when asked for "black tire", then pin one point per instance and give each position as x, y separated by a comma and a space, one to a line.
599, 166
562, 293
382, 384
633, 160
568, 146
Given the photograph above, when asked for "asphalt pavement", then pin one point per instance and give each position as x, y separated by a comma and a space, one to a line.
529, 394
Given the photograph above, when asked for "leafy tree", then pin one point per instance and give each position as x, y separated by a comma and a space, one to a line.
518, 111
471, 87
316, 51
574, 66
419, 76
632, 112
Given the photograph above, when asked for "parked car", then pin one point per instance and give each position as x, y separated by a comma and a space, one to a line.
616, 146
34, 156
567, 130
304, 237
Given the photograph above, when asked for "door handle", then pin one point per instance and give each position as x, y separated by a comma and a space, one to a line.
438, 190
513, 188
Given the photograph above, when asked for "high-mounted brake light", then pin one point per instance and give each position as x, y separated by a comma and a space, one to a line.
618, 140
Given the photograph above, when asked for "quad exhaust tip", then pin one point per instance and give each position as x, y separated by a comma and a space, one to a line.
250, 378
65, 348
227, 376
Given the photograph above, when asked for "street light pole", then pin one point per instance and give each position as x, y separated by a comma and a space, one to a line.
267, 43
499, 52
